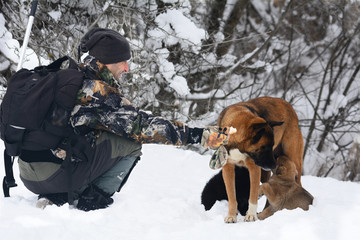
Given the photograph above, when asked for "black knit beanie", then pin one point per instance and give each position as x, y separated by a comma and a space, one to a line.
107, 45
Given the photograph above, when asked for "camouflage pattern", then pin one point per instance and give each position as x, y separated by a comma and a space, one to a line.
219, 158
100, 105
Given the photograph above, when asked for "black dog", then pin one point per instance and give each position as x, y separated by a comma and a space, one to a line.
215, 190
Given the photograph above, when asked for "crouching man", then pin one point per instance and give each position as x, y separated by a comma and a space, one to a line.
114, 129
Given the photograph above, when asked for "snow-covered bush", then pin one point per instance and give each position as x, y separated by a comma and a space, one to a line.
191, 58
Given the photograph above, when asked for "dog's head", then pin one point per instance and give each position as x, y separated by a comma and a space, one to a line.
256, 138
285, 169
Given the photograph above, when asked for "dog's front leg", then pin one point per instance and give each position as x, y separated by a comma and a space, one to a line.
255, 175
265, 189
260, 192
228, 172
267, 212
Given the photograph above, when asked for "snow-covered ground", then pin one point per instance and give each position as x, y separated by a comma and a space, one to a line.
161, 200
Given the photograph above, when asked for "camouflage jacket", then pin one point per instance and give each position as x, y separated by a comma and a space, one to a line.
101, 106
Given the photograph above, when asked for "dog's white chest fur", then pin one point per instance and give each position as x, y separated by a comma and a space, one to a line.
237, 157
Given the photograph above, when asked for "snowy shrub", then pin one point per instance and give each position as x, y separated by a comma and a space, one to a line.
190, 59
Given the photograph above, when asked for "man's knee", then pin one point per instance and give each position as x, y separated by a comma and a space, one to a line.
121, 146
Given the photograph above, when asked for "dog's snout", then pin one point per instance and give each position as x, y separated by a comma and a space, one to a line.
268, 164
273, 164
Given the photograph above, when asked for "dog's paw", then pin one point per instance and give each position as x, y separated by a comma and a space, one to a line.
250, 218
230, 219
261, 216
251, 215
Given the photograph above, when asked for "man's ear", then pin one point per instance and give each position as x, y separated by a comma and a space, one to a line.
275, 123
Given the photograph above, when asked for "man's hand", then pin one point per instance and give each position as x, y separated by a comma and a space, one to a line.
213, 137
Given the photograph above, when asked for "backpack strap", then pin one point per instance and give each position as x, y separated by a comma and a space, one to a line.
67, 165
9, 180
55, 66
57, 63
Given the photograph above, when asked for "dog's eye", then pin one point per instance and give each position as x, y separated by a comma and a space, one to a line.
257, 136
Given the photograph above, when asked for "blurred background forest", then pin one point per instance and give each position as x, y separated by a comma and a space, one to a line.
190, 59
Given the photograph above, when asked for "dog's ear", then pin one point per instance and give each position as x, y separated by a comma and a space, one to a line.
258, 123
279, 171
275, 123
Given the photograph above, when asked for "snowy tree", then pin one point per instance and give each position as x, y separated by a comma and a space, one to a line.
190, 59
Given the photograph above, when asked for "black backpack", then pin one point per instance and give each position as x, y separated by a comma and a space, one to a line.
35, 113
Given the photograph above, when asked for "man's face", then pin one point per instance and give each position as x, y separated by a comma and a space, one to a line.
118, 68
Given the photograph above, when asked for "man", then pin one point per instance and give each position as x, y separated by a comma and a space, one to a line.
114, 129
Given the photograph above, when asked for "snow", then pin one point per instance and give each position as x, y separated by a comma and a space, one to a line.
162, 197
179, 84
11, 49
56, 15
4, 63
7, 43
167, 69
174, 22
174, 27
161, 200
338, 101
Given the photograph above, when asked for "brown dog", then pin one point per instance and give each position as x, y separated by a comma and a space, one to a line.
282, 191
264, 126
